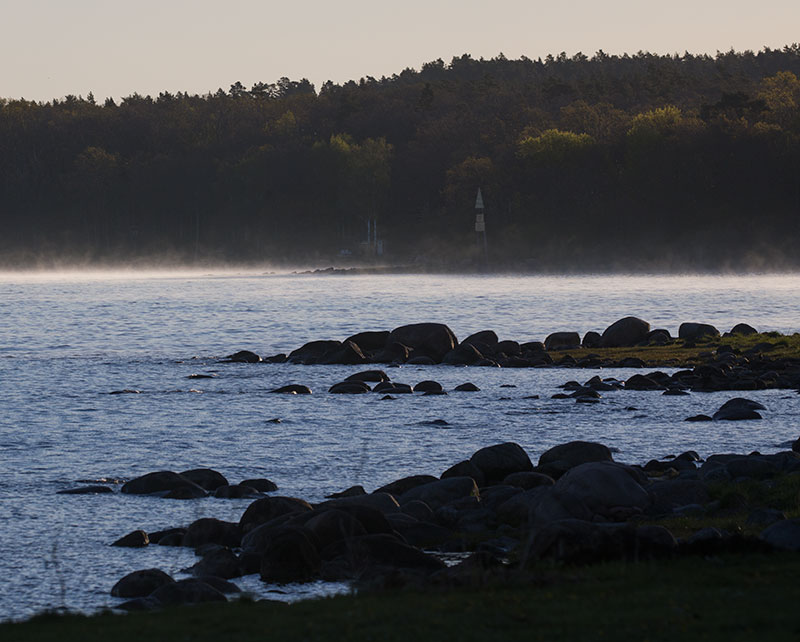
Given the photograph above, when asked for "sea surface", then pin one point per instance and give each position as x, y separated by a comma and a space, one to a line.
68, 340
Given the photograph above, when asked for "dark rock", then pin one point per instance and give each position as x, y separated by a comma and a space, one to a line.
642, 382
243, 356
669, 494
465, 469
592, 340
528, 480
223, 586
205, 478
140, 583
464, 354
439, 492
509, 348
419, 510
276, 358
467, 387
417, 533
353, 491
349, 388
293, 389
428, 386
261, 485
765, 516
373, 376
290, 556
208, 530
191, 591
737, 409
370, 342
431, 339
696, 331
333, 525
497, 462
86, 490
346, 354
658, 337
630, 362
158, 482
219, 562
382, 502
268, 508
236, 492
783, 535
394, 352
562, 341
625, 332
185, 492
400, 486
313, 351
168, 537
421, 361
604, 486
388, 551
483, 338
135, 539
559, 459
743, 329
698, 418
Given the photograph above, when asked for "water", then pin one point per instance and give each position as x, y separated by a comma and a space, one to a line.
67, 341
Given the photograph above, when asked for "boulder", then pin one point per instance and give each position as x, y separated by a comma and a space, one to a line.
783, 535
465, 469
388, 551
394, 352
466, 387
268, 508
400, 486
218, 562
372, 376
592, 340
140, 583
349, 388
313, 351
428, 386
695, 331
383, 502
508, 348
191, 591
370, 341
206, 478
134, 539
497, 462
562, 341
482, 338
290, 556
441, 491
243, 356
293, 389
625, 332
559, 459
464, 354
737, 409
528, 480
346, 354
209, 530
86, 490
432, 339
743, 329
261, 485
333, 525
158, 482
606, 488
237, 491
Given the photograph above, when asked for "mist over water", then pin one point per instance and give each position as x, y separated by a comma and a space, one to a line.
69, 339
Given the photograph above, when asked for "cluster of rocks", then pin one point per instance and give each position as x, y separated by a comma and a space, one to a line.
359, 383
576, 505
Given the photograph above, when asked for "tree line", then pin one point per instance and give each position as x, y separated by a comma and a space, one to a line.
602, 162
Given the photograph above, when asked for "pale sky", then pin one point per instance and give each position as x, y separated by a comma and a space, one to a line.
51, 48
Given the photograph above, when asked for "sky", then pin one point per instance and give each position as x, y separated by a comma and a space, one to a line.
113, 48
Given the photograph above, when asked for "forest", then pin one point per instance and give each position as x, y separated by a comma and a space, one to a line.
608, 162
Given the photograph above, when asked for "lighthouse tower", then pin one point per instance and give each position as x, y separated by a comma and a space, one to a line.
480, 227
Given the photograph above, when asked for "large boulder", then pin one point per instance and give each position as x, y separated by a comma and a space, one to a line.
737, 409
400, 486
312, 351
441, 491
625, 332
209, 530
140, 583
432, 339
349, 353
559, 459
369, 551
191, 591
206, 478
695, 331
607, 489
162, 481
562, 341
290, 556
783, 535
370, 341
498, 461
464, 354
743, 329
331, 526
483, 338
266, 509
218, 562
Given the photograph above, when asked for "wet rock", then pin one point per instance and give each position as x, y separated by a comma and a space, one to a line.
159, 482
372, 376
431, 339
223, 586
191, 591
643, 382
206, 478
346, 354
465, 354
393, 388
698, 418
486, 338
467, 387
382, 502
592, 340
86, 490
428, 386
219, 562
421, 361
140, 583
497, 462
209, 530
185, 492
168, 537
658, 337
333, 525
293, 389
349, 388
276, 358
559, 459
696, 331
625, 332
394, 352
134, 539
562, 341
243, 356
261, 485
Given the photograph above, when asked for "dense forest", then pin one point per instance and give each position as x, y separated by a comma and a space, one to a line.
603, 162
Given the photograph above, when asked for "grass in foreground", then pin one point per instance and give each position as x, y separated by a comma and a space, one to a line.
729, 598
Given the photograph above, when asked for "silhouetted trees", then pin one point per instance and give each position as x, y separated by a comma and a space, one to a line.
601, 162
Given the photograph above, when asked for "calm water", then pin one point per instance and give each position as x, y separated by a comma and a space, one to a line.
66, 341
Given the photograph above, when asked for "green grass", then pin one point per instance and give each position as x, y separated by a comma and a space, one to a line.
730, 598
676, 354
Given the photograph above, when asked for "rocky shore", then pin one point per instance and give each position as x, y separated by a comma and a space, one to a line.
741, 359
502, 514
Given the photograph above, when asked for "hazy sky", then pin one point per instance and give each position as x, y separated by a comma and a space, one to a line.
50, 48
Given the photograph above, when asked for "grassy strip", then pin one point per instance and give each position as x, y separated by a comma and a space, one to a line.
677, 354
729, 598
